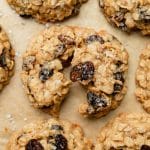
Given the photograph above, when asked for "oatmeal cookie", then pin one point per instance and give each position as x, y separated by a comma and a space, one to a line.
47, 10
42, 77
125, 132
128, 14
6, 59
49, 135
99, 63
143, 79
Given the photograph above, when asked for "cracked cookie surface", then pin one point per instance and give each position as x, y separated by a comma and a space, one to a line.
125, 132
99, 62
143, 79
49, 135
6, 59
47, 10
128, 14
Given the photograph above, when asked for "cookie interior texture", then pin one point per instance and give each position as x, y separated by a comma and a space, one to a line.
47, 10
125, 132
143, 79
6, 59
98, 60
49, 135
128, 15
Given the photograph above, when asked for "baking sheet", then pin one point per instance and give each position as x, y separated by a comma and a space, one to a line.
15, 109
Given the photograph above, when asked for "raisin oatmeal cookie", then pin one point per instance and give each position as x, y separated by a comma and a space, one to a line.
46, 10
128, 14
143, 79
6, 59
49, 135
125, 132
42, 67
99, 63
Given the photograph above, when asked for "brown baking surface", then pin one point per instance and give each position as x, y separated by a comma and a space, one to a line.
15, 110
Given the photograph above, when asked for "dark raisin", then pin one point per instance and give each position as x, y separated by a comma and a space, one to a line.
67, 40
3, 60
87, 71
61, 142
61, 48
96, 100
94, 38
75, 74
119, 76
82, 71
145, 147
56, 127
34, 145
45, 74
117, 88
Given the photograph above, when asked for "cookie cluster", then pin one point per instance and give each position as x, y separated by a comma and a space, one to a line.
98, 62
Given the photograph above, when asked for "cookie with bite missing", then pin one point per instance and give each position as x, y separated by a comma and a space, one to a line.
100, 65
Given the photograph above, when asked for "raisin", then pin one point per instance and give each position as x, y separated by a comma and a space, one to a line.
45, 74
67, 40
61, 142
145, 147
82, 71
117, 88
94, 38
34, 145
96, 100
61, 48
26, 16
3, 60
56, 127
119, 76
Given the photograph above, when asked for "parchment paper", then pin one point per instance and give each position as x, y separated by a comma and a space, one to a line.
15, 109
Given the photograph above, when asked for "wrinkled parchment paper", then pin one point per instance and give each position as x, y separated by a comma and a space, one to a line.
15, 109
